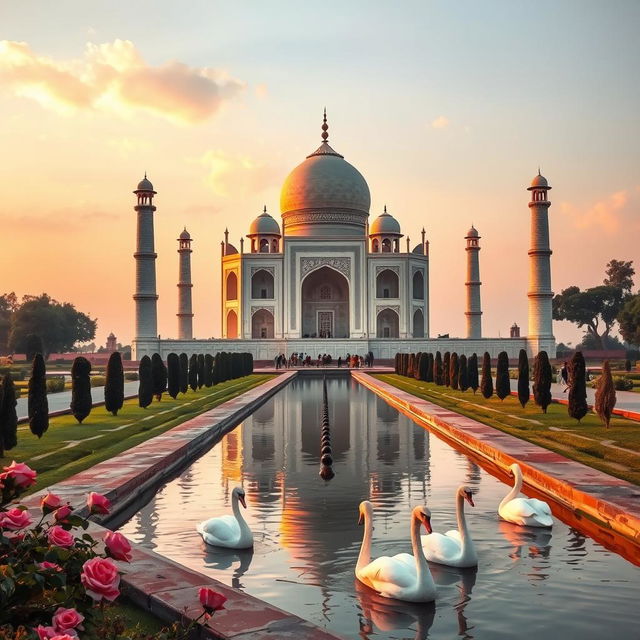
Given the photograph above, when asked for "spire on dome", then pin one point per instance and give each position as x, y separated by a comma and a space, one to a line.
385, 208
265, 209
325, 127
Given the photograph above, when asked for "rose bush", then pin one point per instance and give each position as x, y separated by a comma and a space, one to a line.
54, 578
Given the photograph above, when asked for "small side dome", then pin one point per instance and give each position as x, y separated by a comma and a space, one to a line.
145, 184
264, 224
539, 182
385, 224
472, 233
230, 250
185, 235
419, 248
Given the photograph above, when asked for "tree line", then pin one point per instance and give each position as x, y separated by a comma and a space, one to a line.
155, 377
461, 373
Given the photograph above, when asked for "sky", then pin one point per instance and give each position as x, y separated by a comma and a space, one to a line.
447, 109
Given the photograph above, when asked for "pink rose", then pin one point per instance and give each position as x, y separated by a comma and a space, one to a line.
97, 503
69, 635
65, 619
44, 633
62, 513
14, 519
118, 546
22, 475
60, 537
44, 566
100, 579
50, 502
211, 600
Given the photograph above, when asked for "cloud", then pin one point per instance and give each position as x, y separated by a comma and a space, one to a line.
609, 215
234, 175
441, 122
114, 77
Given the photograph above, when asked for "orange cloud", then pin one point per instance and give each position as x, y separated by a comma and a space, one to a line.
114, 76
608, 215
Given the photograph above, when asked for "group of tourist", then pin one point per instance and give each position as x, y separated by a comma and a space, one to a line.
323, 360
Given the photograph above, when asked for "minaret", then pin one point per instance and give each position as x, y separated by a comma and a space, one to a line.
474, 309
145, 296
540, 294
185, 313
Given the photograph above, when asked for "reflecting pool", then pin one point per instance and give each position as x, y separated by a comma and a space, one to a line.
529, 584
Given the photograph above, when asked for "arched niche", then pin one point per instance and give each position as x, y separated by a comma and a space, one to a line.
232, 324
325, 304
418, 324
264, 245
232, 286
262, 324
418, 286
262, 286
387, 284
388, 324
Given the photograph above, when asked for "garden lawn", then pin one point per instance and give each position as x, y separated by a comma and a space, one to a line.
68, 447
615, 450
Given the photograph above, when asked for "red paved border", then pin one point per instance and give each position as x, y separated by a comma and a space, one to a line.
595, 500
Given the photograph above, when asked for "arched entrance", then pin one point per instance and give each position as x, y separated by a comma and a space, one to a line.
325, 305
232, 324
232, 286
387, 284
418, 324
388, 324
418, 286
262, 324
262, 285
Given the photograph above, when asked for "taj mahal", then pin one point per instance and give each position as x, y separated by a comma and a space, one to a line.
326, 279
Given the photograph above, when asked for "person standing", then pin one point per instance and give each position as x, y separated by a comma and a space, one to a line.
564, 375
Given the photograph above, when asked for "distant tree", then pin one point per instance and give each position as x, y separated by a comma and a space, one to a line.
396, 364
446, 369
503, 384
577, 387
416, 369
158, 376
629, 320
8, 305
590, 343
173, 375
38, 403
184, 372
208, 370
81, 388
523, 378
542, 378
423, 366
627, 365
605, 395
200, 370
32, 346
114, 384
145, 386
429, 373
463, 373
453, 370
437, 369
486, 383
620, 274
193, 372
472, 372
8, 415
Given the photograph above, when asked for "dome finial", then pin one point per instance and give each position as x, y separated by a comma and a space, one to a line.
385, 208
539, 170
325, 127
265, 209
145, 175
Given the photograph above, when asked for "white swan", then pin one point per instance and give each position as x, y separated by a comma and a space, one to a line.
528, 512
403, 576
455, 548
228, 531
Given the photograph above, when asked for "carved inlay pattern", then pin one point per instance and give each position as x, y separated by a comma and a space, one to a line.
393, 307
380, 269
270, 270
262, 307
343, 265
336, 216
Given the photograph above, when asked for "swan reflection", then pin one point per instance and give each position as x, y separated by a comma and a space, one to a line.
536, 541
222, 559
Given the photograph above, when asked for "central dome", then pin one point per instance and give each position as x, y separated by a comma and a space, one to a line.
325, 195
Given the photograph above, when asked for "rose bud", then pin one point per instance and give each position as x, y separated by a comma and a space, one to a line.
97, 503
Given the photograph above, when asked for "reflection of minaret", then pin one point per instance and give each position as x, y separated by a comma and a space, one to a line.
474, 310
185, 312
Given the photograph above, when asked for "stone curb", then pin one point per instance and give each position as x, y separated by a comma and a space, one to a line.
607, 506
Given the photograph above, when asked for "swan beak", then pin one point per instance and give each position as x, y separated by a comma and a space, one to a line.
469, 499
361, 518
426, 521
242, 501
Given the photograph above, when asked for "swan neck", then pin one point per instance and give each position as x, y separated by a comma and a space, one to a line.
515, 490
422, 568
460, 517
235, 506
364, 557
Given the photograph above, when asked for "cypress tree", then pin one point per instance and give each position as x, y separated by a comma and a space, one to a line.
184, 372
38, 403
542, 377
577, 387
218, 373
416, 368
145, 384
627, 365
472, 373
173, 375
503, 384
396, 364
33, 345
423, 366
446, 372
158, 376
409, 373
605, 395
8, 416
200, 370
80, 388
193, 371
486, 383
114, 384
429, 374
523, 378
454, 371
437, 369
208, 369
463, 374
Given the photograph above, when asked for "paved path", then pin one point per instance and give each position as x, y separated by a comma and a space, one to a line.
61, 401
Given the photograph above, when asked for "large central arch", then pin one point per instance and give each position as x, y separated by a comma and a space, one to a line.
325, 304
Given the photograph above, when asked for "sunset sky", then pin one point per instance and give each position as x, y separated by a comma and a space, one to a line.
447, 109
